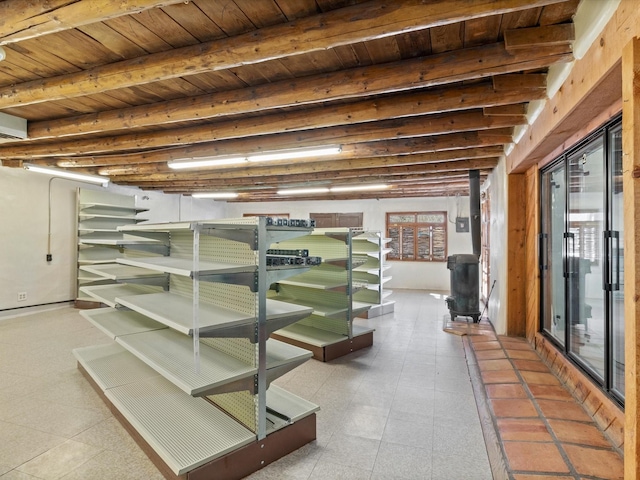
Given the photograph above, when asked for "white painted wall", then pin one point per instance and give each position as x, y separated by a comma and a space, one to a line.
413, 275
24, 206
496, 186
24, 200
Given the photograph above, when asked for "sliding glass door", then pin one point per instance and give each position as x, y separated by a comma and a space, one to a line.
552, 250
581, 257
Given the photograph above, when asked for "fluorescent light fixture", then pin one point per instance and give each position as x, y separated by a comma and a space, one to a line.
205, 162
356, 188
294, 153
219, 195
81, 177
302, 191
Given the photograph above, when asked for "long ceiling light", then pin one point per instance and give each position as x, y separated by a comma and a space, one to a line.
215, 195
358, 188
302, 191
80, 177
257, 157
342, 189
294, 153
205, 162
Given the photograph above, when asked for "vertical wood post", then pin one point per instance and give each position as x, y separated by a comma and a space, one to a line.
631, 185
516, 263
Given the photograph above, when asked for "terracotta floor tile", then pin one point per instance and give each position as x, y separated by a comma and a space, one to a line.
524, 354
513, 407
563, 410
510, 344
540, 378
506, 390
530, 365
550, 392
488, 365
543, 477
580, 433
534, 457
490, 354
500, 376
596, 462
480, 336
529, 429
490, 345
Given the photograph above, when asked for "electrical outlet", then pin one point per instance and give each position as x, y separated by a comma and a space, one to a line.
22, 296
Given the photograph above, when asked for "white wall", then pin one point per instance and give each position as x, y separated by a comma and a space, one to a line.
496, 186
413, 275
24, 200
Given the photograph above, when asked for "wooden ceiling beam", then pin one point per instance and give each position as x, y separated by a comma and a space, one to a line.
373, 175
373, 148
443, 158
423, 72
394, 106
25, 19
561, 34
358, 23
259, 138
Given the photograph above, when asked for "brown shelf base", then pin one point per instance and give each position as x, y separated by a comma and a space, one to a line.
235, 465
86, 304
332, 351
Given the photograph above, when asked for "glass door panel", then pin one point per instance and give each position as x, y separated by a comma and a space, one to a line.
584, 261
616, 255
551, 252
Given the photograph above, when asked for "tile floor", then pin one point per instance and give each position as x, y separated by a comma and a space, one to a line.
402, 409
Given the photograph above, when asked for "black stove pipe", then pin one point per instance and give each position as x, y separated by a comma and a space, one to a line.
474, 211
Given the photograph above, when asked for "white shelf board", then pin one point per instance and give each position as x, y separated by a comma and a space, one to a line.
176, 311
321, 310
317, 283
288, 404
310, 335
184, 266
110, 365
119, 272
118, 241
116, 323
84, 206
86, 215
171, 355
107, 293
359, 307
186, 432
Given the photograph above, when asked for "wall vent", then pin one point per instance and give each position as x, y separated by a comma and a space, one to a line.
12, 127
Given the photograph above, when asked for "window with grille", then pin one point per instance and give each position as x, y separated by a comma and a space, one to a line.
417, 236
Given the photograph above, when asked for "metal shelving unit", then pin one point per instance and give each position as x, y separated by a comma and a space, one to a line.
99, 214
206, 335
371, 248
331, 291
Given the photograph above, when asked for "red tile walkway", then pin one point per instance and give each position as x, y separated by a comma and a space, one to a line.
535, 428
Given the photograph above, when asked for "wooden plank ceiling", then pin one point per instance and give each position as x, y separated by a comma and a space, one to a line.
415, 92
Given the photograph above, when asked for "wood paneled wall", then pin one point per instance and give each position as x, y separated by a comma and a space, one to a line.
631, 186
532, 229
516, 263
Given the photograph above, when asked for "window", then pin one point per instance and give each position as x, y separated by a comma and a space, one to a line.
417, 236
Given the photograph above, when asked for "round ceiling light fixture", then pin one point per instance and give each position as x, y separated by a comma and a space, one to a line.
3, 54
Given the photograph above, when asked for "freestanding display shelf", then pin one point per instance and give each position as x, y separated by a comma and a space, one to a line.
189, 369
371, 250
100, 213
329, 289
